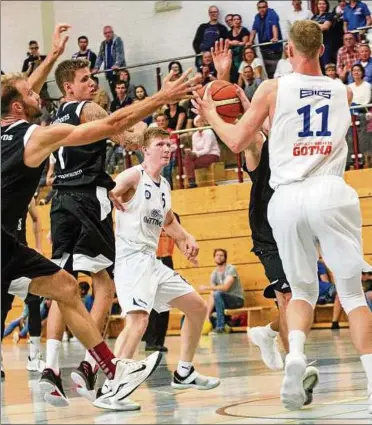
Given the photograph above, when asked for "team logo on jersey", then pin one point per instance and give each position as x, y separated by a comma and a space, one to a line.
310, 149
7, 137
156, 214
309, 93
147, 194
156, 218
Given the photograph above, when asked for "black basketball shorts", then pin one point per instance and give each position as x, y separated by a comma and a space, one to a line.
82, 231
274, 272
20, 264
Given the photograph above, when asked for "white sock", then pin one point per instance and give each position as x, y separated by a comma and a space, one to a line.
52, 354
271, 332
367, 365
296, 342
34, 346
90, 360
183, 368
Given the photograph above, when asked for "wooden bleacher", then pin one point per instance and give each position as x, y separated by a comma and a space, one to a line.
218, 217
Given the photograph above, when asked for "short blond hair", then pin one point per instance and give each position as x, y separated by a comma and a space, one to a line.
9, 91
66, 70
152, 133
307, 37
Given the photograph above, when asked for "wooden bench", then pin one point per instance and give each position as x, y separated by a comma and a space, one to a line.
323, 317
210, 175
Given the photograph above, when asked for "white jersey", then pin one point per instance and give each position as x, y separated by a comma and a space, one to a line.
310, 123
138, 228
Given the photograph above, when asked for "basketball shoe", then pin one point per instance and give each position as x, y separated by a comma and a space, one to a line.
36, 364
194, 380
292, 392
51, 386
108, 403
85, 379
268, 346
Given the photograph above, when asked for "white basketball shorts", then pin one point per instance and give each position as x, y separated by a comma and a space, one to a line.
144, 283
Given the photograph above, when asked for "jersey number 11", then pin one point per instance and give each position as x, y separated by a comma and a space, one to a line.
306, 112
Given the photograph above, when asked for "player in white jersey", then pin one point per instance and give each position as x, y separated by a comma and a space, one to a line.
312, 205
142, 281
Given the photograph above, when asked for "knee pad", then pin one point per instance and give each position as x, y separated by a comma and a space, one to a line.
308, 292
350, 292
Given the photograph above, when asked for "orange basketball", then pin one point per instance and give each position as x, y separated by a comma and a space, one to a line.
227, 103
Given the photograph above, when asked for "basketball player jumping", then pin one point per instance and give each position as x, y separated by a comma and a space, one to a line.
312, 205
25, 147
142, 281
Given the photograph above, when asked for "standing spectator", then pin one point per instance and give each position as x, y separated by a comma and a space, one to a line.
364, 52
124, 75
338, 26
266, 25
84, 52
298, 14
325, 19
176, 115
33, 60
356, 15
250, 82
111, 54
239, 37
100, 97
226, 290
205, 151
207, 34
250, 58
284, 65
229, 20
347, 55
361, 89
121, 99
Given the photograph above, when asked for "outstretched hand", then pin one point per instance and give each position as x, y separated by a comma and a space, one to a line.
203, 107
60, 39
174, 91
222, 58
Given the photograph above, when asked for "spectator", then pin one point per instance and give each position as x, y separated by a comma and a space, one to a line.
100, 97
122, 99
207, 34
205, 151
250, 58
176, 115
124, 75
229, 20
86, 298
205, 75
367, 287
356, 15
239, 37
325, 19
111, 55
338, 26
162, 122
140, 93
361, 89
250, 82
327, 290
364, 52
298, 14
284, 65
346, 56
266, 25
226, 290
84, 52
33, 60
331, 72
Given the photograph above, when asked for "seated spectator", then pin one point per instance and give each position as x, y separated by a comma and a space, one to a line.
115, 308
250, 82
86, 298
84, 52
100, 97
284, 66
330, 71
347, 55
229, 20
327, 290
325, 19
297, 13
122, 98
266, 25
367, 287
205, 76
176, 67
250, 58
356, 15
124, 75
207, 34
207, 60
365, 60
176, 116
205, 151
239, 37
360, 88
226, 290
141, 94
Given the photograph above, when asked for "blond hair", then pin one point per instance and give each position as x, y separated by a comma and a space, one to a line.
9, 91
152, 133
307, 37
66, 70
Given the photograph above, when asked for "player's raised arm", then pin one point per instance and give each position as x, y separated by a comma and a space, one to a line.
59, 40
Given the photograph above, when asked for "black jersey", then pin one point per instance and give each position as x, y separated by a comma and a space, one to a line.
21, 228
79, 166
18, 182
261, 194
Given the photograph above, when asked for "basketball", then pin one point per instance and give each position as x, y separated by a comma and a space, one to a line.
227, 102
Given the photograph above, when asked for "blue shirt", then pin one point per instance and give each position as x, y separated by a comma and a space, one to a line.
323, 286
356, 16
367, 71
211, 35
264, 28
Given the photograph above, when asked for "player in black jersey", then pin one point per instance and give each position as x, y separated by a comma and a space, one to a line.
25, 148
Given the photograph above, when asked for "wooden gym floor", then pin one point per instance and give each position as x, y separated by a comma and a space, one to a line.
249, 392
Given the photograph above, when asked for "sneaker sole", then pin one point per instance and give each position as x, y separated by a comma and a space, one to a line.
197, 387
311, 378
122, 394
254, 341
292, 392
58, 401
123, 407
82, 387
